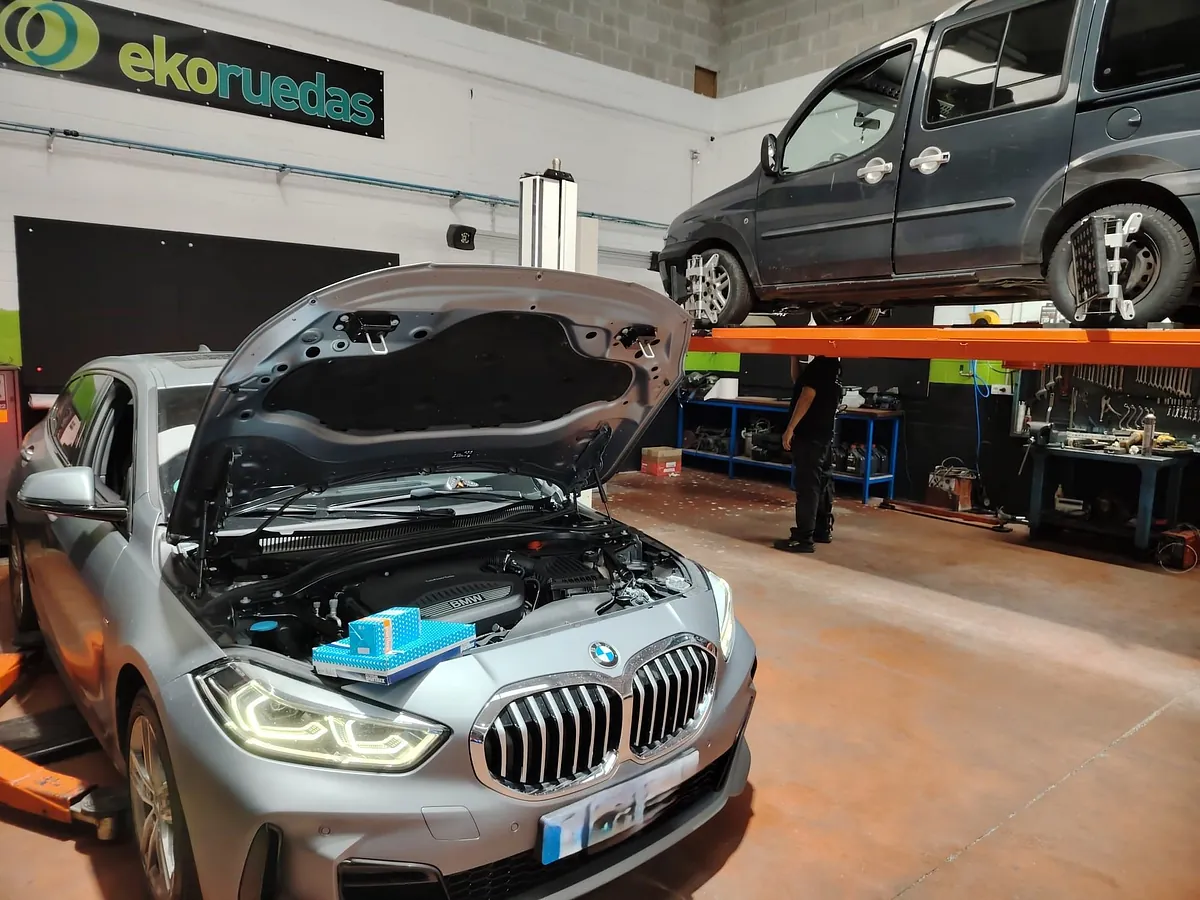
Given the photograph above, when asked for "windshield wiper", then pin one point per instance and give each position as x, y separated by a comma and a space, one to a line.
420, 493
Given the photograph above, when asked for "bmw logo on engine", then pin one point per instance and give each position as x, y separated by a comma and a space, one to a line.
604, 654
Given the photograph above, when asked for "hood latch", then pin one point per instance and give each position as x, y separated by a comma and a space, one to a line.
645, 336
371, 328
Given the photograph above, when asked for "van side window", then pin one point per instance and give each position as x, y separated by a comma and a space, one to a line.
855, 113
1143, 43
1001, 62
73, 411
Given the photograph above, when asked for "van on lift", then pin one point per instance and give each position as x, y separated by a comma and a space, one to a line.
975, 158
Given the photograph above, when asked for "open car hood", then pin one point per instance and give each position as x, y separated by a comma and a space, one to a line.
434, 368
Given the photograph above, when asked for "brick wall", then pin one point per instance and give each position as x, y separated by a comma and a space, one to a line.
660, 39
751, 43
768, 41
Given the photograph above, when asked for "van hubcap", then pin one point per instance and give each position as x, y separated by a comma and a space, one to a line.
18, 593
150, 795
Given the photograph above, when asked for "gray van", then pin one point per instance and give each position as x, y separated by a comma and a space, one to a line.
976, 158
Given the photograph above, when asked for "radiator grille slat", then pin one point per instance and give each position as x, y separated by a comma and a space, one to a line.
546, 741
669, 694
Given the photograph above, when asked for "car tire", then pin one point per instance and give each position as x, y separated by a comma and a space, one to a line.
733, 283
164, 847
862, 318
1165, 252
23, 613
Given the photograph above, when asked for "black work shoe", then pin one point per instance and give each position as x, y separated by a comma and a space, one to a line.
823, 538
791, 545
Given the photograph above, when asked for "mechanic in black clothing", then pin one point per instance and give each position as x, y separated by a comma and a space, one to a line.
816, 396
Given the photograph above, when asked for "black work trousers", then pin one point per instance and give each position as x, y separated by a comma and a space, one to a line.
812, 465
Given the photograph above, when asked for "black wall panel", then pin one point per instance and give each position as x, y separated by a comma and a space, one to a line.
90, 290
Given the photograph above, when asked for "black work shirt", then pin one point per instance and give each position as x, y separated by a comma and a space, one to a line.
824, 376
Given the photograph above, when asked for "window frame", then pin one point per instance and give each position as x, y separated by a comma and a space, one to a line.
879, 57
1097, 48
85, 436
982, 13
94, 442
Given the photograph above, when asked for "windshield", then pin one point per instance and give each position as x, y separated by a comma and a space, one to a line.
179, 411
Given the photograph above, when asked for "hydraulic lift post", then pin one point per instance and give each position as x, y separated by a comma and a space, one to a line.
33, 789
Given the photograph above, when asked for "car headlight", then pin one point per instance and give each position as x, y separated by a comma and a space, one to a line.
723, 596
268, 724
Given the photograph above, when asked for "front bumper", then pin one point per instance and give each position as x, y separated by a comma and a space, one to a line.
330, 824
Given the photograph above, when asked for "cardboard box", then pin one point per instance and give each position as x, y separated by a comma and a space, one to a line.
662, 462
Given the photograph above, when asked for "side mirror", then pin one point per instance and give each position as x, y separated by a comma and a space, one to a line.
768, 156
68, 492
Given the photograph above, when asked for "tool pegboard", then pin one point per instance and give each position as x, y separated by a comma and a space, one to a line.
1115, 398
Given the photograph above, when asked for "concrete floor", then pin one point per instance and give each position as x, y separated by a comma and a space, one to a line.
943, 712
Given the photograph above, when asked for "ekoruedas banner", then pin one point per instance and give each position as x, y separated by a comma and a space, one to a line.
116, 48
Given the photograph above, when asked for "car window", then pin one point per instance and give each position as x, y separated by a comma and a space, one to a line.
855, 113
178, 412
1143, 43
1001, 62
74, 411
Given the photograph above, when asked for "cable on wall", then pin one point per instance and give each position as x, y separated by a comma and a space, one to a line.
287, 169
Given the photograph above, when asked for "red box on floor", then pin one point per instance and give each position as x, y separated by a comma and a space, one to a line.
662, 462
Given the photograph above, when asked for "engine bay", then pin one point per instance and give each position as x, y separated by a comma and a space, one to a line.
505, 591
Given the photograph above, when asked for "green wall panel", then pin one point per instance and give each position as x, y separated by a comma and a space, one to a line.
697, 361
10, 337
957, 371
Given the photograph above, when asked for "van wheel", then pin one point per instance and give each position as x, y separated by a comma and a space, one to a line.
835, 315
1157, 272
728, 298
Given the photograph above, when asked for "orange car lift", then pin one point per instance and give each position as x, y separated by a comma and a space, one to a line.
30, 788
1018, 347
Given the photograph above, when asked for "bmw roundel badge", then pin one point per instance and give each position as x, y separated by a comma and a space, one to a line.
604, 654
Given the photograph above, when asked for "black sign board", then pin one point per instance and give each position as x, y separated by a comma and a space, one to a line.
116, 48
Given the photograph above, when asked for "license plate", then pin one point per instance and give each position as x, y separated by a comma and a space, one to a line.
620, 809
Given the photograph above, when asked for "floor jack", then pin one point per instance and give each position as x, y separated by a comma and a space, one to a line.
27, 742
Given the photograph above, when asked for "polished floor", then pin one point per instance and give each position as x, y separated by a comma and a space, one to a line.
944, 712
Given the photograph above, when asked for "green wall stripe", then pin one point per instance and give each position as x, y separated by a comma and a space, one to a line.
957, 371
10, 337
696, 361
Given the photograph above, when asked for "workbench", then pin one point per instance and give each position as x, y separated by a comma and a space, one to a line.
749, 407
1149, 468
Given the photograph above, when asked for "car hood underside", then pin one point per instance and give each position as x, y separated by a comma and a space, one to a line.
431, 368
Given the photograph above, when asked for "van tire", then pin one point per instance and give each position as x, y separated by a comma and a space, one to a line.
862, 318
1176, 269
739, 302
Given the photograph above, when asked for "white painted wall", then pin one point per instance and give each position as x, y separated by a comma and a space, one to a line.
502, 108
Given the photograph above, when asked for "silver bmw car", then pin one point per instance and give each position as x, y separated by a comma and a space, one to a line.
189, 528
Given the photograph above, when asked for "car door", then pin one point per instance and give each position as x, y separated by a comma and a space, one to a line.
989, 138
827, 214
78, 556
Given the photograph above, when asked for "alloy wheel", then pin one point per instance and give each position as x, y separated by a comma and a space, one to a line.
18, 592
715, 292
150, 797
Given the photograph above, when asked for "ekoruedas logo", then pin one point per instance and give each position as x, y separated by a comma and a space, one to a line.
57, 36
68, 37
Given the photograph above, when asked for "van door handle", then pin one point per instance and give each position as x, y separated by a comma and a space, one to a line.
929, 160
874, 170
